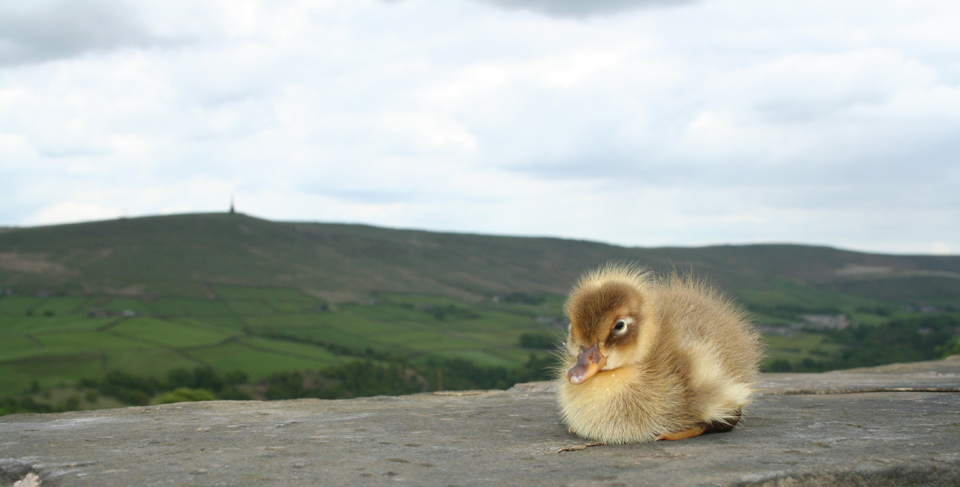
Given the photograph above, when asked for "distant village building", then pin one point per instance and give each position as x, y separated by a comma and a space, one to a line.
552, 321
784, 331
826, 322
810, 322
106, 313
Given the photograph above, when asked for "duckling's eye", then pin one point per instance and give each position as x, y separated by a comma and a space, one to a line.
620, 326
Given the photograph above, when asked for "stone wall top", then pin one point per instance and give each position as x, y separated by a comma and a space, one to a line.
891, 425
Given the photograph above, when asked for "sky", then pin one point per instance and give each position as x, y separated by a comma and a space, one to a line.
635, 122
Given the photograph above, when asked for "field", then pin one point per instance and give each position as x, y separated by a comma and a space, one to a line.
58, 341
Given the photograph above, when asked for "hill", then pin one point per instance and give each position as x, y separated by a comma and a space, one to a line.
183, 255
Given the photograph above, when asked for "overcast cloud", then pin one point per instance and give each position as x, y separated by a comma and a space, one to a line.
641, 123
581, 8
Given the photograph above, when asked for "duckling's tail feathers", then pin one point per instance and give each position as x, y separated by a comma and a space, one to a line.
723, 425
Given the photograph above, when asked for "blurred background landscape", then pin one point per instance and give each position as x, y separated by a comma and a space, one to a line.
204, 306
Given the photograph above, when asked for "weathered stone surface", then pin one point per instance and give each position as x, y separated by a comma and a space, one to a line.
805, 429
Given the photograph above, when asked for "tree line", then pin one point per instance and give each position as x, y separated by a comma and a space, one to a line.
359, 378
912, 339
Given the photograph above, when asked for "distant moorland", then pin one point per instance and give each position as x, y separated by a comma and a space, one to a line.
192, 307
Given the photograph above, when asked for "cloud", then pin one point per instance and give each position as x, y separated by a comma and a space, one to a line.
75, 211
582, 8
940, 248
42, 30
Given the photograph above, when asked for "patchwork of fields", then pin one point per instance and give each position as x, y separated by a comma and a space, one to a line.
59, 340
51, 345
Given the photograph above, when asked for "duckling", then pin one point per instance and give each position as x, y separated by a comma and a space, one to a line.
652, 358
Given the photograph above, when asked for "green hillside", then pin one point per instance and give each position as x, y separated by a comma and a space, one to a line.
133, 310
183, 255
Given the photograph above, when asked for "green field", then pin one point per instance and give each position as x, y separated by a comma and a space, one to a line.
241, 330
278, 330
51, 345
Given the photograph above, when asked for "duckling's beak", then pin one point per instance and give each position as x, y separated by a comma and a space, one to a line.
589, 362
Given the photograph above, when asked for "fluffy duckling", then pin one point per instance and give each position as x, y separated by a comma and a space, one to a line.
650, 359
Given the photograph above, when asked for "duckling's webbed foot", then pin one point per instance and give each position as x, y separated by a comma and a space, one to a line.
682, 435
719, 426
